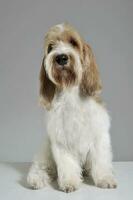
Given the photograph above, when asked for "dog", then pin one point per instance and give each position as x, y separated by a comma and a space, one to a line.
77, 139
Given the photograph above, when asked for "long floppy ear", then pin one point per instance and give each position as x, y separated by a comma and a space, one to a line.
47, 88
90, 83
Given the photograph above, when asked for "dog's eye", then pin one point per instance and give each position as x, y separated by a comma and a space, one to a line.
50, 47
73, 42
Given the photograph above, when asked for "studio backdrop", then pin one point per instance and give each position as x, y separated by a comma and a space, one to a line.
106, 25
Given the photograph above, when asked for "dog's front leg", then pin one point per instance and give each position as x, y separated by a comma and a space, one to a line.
68, 168
100, 157
42, 170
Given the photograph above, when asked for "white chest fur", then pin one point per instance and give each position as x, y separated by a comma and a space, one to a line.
75, 123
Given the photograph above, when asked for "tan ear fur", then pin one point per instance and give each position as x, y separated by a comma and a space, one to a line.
90, 83
47, 88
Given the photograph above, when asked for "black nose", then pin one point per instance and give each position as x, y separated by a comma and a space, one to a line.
62, 59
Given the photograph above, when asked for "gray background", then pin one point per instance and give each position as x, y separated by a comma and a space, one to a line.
106, 24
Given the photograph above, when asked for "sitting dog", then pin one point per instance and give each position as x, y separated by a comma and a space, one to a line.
78, 123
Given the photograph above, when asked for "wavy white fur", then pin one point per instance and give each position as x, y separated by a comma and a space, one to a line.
78, 136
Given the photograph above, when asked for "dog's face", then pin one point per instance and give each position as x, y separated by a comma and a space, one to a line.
68, 61
63, 54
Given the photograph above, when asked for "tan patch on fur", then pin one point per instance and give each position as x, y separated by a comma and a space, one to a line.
69, 34
99, 100
91, 83
47, 88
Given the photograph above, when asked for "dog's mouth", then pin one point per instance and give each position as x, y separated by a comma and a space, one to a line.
64, 76
63, 72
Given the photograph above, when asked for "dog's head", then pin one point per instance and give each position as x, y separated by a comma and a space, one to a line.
67, 61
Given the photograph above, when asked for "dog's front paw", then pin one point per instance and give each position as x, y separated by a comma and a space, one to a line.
37, 181
106, 182
69, 185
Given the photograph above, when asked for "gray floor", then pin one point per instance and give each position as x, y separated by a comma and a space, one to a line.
13, 185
